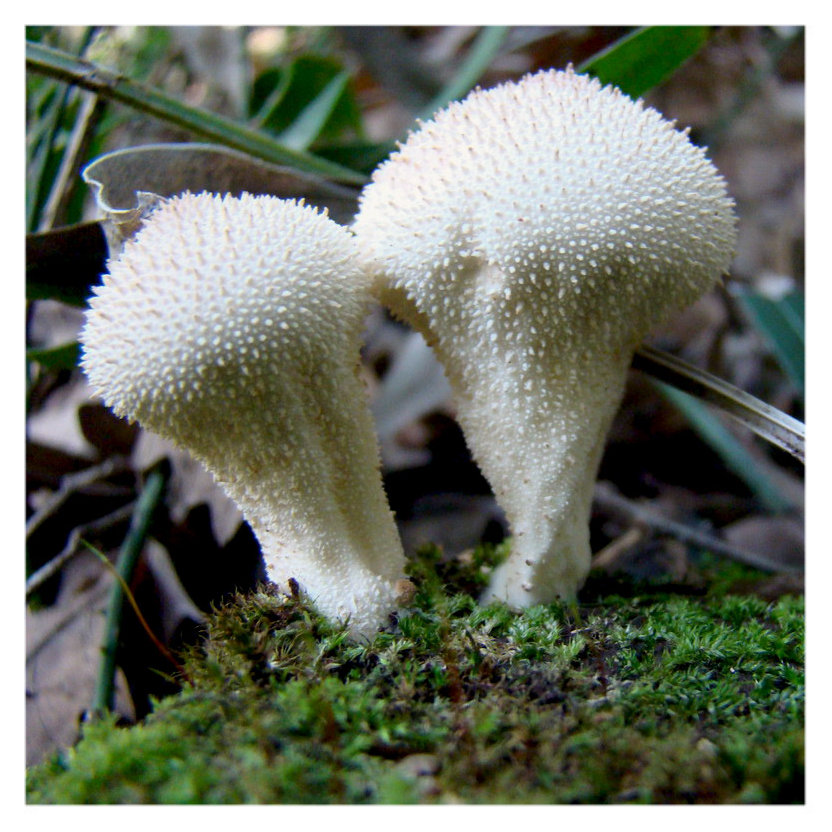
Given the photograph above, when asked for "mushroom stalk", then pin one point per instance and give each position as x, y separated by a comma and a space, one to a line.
232, 327
538, 437
534, 233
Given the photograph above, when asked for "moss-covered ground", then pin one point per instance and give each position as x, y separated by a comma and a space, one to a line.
646, 693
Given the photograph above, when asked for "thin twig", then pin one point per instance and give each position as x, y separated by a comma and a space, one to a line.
71, 484
605, 557
608, 499
51, 568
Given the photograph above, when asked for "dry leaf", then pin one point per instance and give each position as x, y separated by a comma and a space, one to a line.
63, 651
128, 183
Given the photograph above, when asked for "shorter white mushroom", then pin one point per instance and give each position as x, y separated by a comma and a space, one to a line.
232, 327
534, 234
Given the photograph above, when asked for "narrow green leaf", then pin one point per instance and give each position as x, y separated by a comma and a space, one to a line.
269, 105
642, 60
781, 323
483, 51
282, 95
364, 156
723, 442
64, 357
766, 421
109, 84
312, 120
128, 557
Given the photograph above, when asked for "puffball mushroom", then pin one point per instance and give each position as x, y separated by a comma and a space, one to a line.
232, 327
534, 233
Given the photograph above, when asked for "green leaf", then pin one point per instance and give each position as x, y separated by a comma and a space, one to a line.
781, 322
736, 458
267, 92
483, 51
766, 421
114, 86
314, 117
642, 60
64, 357
310, 97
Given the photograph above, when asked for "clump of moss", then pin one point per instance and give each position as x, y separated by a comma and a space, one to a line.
650, 696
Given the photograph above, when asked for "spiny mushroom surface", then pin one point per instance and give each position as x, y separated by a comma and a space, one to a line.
232, 327
534, 233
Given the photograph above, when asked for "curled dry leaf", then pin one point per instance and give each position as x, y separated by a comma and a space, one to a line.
129, 183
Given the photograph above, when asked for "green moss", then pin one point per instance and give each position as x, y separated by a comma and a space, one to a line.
656, 695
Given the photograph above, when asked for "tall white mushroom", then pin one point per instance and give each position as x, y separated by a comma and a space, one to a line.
534, 233
232, 327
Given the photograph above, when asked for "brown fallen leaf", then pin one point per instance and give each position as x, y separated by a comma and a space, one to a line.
782, 539
62, 660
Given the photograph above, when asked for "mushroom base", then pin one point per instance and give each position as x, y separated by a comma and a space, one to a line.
550, 555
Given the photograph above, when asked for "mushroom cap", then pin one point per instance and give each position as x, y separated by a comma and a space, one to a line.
564, 187
220, 298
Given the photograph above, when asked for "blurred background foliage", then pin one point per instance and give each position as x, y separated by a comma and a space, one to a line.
330, 103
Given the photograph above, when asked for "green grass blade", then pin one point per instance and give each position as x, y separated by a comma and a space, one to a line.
275, 98
642, 60
308, 126
106, 83
483, 51
733, 454
64, 357
781, 323
131, 549
766, 421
